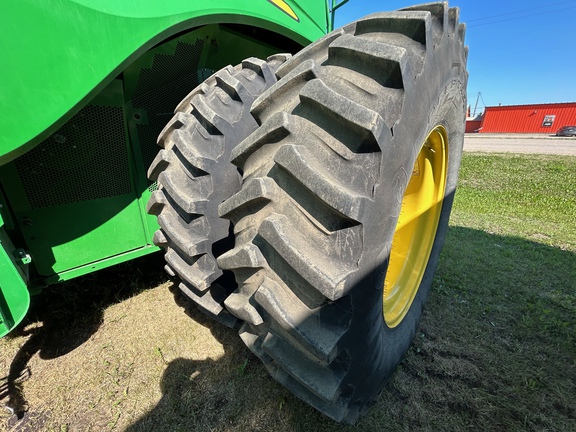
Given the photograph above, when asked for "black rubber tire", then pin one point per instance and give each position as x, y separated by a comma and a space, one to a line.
194, 175
323, 180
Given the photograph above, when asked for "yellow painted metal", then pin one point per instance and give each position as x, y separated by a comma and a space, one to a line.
416, 227
285, 7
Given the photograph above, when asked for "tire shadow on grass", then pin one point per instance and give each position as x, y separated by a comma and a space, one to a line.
232, 393
496, 345
494, 350
62, 318
500, 309
203, 394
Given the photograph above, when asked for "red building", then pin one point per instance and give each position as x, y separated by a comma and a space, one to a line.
541, 118
473, 125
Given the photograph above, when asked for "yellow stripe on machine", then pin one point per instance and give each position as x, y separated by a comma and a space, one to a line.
285, 7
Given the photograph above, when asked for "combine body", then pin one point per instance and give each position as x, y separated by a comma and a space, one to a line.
87, 85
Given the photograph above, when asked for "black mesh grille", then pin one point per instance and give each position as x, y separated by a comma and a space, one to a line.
160, 89
85, 159
160, 105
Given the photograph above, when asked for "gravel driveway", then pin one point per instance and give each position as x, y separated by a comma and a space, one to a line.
520, 143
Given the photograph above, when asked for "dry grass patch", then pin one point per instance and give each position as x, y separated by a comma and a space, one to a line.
121, 350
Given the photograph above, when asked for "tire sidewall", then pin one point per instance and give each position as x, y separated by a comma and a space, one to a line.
389, 345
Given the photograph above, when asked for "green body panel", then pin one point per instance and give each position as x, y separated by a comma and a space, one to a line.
79, 196
58, 53
73, 205
99, 265
14, 296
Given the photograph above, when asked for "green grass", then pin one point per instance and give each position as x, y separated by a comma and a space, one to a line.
532, 196
518, 214
122, 350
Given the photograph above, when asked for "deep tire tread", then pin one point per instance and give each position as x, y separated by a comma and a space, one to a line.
316, 52
413, 24
299, 251
207, 117
179, 120
258, 190
197, 160
199, 274
193, 201
276, 129
350, 119
280, 96
382, 62
322, 381
159, 164
186, 241
297, 160
304, 218
194, 174
302, 323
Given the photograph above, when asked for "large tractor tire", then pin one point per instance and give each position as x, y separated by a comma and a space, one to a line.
347, 190
194, 175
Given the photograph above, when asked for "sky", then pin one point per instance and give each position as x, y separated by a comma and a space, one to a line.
521, 51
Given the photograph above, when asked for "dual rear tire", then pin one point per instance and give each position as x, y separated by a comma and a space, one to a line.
347, 187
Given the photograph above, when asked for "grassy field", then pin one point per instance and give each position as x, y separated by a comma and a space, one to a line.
122, 350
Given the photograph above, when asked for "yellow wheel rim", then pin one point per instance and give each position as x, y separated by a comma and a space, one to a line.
416, 227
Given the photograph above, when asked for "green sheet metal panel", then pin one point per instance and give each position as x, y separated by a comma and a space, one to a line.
14, 296
80, 196
74, 196
64, 237
57, 54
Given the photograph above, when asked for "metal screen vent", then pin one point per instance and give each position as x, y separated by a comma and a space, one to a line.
160, 89
85, 159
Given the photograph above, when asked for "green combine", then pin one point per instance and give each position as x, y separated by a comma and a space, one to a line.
301, 196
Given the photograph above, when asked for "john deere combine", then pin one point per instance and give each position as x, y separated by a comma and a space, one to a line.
301, 196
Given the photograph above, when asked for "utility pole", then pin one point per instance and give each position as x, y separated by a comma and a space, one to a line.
476, 105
